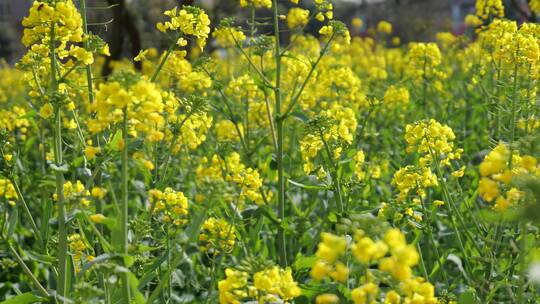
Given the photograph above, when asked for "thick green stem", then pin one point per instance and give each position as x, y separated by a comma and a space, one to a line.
281, 242
124, 206
58, 159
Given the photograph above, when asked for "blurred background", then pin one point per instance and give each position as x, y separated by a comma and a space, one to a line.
129, 25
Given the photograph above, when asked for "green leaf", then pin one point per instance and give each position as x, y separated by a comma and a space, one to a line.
304, 262
468, 297
41, 258
24, 298
134, 284
311, 187
115, 141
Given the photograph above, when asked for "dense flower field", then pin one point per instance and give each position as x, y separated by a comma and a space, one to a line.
328, 169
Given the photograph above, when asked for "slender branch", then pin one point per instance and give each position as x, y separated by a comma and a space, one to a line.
42, 291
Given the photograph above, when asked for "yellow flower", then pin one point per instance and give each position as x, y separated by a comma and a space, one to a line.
97, 218
228, 36
327, 298
489, 8
320, 270
46, 111
257, 3
365, 294
188, 21
98, 192
141, 56
91, 152
392, 297
357, 22
297, 17
384, 27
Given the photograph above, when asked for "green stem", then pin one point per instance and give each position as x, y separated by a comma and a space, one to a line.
58, 157
522, 278
336, 181
124, 206
163, 60
281, 242
513, 111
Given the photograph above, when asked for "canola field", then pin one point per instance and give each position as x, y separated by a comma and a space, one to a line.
314, 168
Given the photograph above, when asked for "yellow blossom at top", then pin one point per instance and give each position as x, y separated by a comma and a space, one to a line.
384, 27
489, 8
187, 21
228, 36
256, 3
297, 17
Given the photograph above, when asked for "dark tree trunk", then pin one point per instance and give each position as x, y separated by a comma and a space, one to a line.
123, 25
186, 2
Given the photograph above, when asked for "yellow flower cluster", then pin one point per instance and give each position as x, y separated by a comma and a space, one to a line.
297, 17
256, 3
325, 8
217, 236
231, 169
411, 178
7, 191
13, 115
193, 131
534, 6
142, 101
359, 159
171, 205
519, 47
226, 131
424, 53
75, 191
67, 23
393, 256
330, 250
247, 179
271, 285
339, 130
77, 247
14, 120
403, 256
498, 169
446, 39
489, 8
188, 79
396, 97
228, 36
384, 27
431, 139
244, 91
188, 21
424, 59
472, 20
331, 30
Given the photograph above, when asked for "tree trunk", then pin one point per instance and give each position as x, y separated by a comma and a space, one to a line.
123, 24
